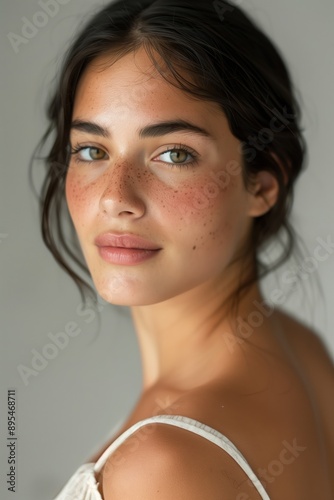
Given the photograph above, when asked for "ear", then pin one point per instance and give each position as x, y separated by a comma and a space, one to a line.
263, 193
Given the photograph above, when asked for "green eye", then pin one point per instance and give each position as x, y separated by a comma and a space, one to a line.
96, 153
179, 155
89, 154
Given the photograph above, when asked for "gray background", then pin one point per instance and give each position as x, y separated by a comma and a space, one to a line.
67, 410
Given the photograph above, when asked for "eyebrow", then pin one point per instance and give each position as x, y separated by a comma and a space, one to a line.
153, 130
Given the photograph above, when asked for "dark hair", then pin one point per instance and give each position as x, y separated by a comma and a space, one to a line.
228, 60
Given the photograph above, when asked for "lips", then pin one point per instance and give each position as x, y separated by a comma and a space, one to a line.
124, 241
125, 249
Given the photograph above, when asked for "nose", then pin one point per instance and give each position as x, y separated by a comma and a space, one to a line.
121, 194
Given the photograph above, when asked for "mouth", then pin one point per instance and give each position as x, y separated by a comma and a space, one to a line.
126, 256
124, 241
125, 248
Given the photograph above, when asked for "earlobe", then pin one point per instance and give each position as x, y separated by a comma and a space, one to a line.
263, 193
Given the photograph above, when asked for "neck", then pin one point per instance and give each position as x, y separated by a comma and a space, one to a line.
185, 342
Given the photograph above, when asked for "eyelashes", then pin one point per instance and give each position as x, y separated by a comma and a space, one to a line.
81, 150
180, 147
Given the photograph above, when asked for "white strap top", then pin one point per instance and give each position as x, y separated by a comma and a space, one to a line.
83, 486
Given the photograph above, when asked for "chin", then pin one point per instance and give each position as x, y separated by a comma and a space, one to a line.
118, 293
125, 300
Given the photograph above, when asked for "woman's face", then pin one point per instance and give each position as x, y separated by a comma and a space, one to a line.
179, 188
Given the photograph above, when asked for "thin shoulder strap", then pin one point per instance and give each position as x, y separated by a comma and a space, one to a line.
193, 426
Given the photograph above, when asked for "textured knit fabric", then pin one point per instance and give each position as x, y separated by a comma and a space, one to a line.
83, 486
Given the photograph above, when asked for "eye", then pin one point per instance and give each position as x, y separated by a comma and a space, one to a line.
179, 155
88, 154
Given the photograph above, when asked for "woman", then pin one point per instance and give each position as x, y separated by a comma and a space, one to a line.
177, 146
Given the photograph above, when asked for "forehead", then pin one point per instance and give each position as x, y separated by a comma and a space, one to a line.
133, 83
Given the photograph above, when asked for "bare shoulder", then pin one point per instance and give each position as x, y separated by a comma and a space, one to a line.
315, 361
308, 347
165, 462
318, 368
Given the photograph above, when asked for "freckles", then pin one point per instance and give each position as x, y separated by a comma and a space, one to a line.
182, 202
186, 207
72, 190
205, 216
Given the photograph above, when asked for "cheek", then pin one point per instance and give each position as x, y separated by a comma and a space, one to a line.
208, 216
200, 202
199, 210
